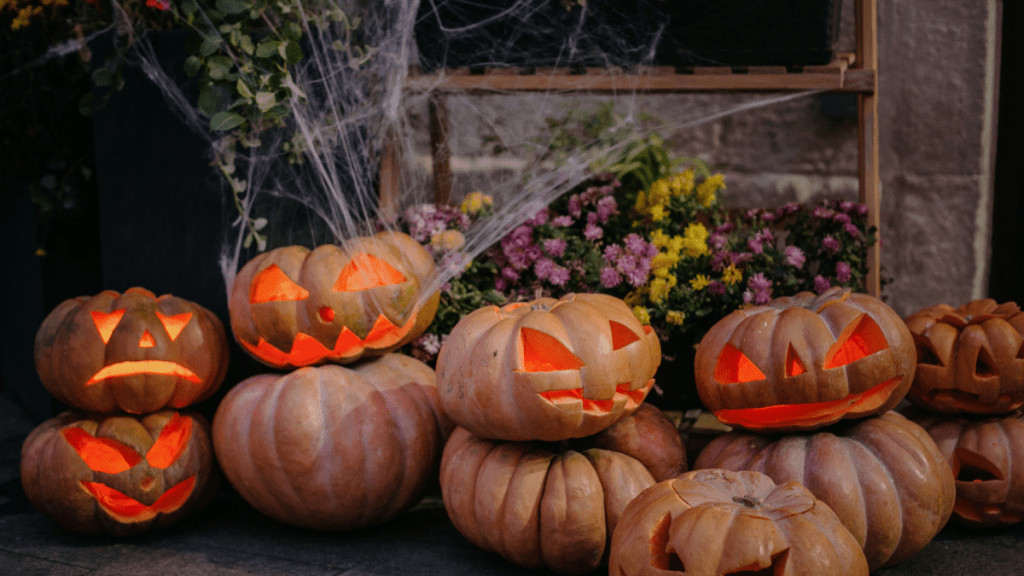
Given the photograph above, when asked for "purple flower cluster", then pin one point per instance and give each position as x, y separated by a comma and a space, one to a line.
759, 289
426, 220
631, 260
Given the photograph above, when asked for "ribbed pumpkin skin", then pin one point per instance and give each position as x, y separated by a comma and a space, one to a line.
884, 477
715, 522
990, 449
808, 326
487, 384
331, 447
538, 505
650, 437
268, 330
52, 472
70, 350
951, 347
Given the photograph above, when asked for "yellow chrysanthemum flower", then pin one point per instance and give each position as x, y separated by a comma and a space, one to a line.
657, 212
642, 315
682, 183
675, 317
699, 282
448, 240
475, 202
731, 275
706, 189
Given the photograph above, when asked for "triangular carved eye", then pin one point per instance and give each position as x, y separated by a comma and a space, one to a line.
101, 454
172, 442
366, 271
860, 339
794, 367
273, 285
622, 336
105, 322
174, 324
734, 367
969, 466
544, 353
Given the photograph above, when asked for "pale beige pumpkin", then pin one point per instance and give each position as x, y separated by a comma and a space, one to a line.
119, 475
717, 522
969, 359
332, 447
806, 361
547, 369
884, 477
650, 437
536, 504
986, 456
294, 307
131, 352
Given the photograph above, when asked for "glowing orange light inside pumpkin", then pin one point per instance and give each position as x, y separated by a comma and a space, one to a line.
174, 324
272, 285
106, 322
622, 336
366, 271
734, 367
171, 443
101, 454
123, 505
147, 340
326, 313
133, 367
858, 340
307, 350
544, 353
794, 367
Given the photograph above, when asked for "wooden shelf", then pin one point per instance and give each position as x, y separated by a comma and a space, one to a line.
838, 76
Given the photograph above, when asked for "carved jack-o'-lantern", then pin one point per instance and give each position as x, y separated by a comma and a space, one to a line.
294, 307
802, 362
547, 369
717, 522
120, 474
987, 459
132, 352
970, 359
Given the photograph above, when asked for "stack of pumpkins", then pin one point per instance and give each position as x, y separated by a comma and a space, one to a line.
125, 459
813, 380
969, 389
326, 446
554, 438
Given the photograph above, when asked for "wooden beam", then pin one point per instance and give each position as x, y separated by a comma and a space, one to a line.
439, 149
867, 138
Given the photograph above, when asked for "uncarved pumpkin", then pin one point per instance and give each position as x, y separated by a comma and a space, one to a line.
543, 504
119, 475
131, 352
969, 360
332, 447
986, 455
883, 476
806, 361
717, 522
547, 369
294, 307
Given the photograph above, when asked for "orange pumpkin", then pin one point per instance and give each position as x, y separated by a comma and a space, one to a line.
969, 360
715, 522
549, 505
132, 352
986, 456
294, 307
547, 369
331, 447
884, 477
119, 475
806, 361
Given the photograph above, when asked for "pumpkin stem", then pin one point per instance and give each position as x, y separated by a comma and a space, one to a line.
747, 501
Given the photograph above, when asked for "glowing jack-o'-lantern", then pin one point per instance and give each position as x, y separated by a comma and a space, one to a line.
717, 522
119, 475
132, 352
294, 307
969, 360
547, 369
802, 362
986, 456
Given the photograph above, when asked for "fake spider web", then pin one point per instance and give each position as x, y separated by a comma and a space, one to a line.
316, 180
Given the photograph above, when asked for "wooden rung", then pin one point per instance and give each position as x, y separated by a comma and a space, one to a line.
767, 70
457, 72
560, 71
654, 71
609, 71
712, 70
503, 71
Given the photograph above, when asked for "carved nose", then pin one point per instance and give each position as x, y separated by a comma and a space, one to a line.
147, 340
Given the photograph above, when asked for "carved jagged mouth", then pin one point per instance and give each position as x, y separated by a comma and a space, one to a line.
123, 506
568, 399
307, 350
809, 414
131, 368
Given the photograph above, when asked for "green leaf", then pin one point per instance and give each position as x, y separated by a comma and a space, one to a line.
267, 48
265, 101
290, 52
232, 6
192, 65
209, 45
243, 89
246, 43
189, 7
225, 121
102, 77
